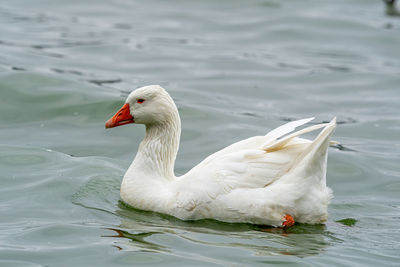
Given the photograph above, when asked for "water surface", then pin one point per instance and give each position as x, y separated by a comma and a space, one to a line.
235, 69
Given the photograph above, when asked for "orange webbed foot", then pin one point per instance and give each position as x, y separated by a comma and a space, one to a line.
289, 221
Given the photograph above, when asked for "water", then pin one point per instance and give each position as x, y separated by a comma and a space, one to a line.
236, 69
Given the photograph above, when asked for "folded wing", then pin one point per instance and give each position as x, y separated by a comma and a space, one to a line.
256, 162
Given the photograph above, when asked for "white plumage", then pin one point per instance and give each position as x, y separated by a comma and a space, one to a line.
258, 180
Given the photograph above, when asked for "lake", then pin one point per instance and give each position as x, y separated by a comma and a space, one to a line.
235, 69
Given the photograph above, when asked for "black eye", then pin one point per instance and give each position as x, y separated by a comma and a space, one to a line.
140, 101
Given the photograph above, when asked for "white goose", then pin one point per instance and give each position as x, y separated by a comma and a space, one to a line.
268, 180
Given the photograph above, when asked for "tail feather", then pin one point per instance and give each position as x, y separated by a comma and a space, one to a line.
280, 143
311, 162
285, 129
314, 158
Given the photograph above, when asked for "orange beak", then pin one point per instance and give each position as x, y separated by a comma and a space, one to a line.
122, 117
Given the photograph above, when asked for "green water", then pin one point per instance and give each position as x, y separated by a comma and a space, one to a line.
235, 69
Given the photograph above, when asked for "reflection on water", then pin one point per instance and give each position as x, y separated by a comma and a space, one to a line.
301, 240
151, 231
137, 239
341, 147
280, 242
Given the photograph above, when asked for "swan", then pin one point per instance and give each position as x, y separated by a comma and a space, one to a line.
276, 179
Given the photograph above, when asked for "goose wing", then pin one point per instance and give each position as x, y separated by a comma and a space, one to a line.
252, 163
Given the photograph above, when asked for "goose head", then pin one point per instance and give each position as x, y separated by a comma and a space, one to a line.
149, 105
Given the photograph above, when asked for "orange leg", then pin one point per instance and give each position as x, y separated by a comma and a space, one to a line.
289, 221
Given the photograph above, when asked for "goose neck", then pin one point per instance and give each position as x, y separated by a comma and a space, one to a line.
159, 148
